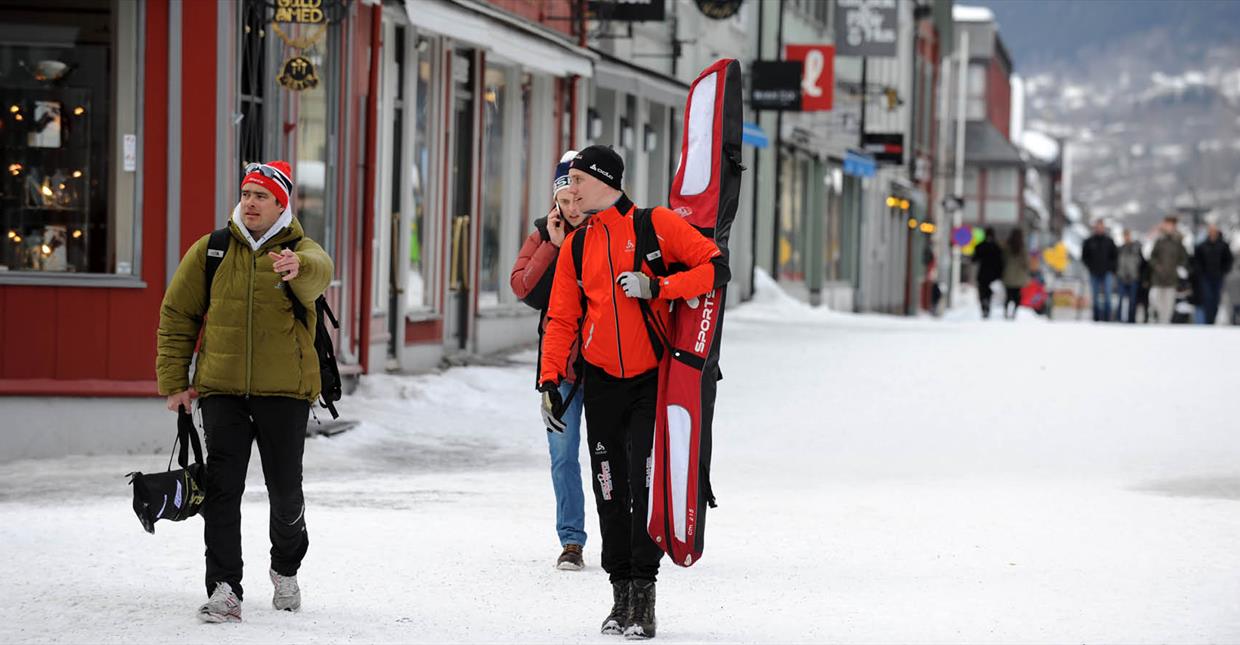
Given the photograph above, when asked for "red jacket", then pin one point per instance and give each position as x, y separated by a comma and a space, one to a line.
535, 261
614, 335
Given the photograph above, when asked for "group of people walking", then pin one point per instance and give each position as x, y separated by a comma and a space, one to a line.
1008, 263
1159, 283
229, 339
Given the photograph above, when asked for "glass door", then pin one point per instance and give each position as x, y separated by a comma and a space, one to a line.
461, 161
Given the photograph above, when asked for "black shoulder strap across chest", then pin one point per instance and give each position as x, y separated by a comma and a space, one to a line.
647, 243
217, 247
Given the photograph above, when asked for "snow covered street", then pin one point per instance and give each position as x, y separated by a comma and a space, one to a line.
879, 480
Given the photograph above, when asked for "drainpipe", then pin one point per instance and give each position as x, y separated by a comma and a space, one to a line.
369, 190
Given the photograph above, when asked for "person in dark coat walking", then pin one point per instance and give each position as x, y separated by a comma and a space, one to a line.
1128, 272
1212, 261
989, 260
1101, 256
1167, 259
1015, 272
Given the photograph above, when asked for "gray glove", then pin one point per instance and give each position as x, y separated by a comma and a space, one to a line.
638, 285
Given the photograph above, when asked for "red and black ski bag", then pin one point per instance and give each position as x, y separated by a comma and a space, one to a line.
704, 192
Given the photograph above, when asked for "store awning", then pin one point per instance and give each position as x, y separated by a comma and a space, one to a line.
614, 74
754, 136
530, 46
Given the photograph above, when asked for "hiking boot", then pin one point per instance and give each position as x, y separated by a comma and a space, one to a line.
570, 558
287, 596
620, 593
640, 624
222, 607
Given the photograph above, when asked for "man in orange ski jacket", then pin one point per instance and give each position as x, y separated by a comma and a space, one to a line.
620, 371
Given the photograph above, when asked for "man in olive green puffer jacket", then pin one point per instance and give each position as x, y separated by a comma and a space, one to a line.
257, 374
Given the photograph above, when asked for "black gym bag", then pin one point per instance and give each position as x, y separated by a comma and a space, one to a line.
176, 494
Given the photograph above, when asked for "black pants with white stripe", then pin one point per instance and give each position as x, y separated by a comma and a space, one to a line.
232, 424
620, 432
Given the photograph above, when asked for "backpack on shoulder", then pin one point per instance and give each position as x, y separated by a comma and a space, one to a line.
331, 386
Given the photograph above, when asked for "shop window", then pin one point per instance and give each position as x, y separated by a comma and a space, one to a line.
416, 293
495, 96
253, 92
792, 207
69, 90
311, 170
975, 101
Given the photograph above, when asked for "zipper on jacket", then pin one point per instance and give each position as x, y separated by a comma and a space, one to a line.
249, 325
615, 312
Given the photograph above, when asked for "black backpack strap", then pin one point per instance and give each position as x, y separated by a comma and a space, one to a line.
217, 248
299, 310
647, 248
578, 249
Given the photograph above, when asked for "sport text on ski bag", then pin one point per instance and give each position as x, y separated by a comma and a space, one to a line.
704, 192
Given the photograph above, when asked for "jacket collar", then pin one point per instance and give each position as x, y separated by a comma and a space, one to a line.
621, 209
283, 224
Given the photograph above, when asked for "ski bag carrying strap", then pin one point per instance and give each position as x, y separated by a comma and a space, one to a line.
647, 248
174, 494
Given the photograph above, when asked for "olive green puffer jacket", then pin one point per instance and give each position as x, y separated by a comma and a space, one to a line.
252, 344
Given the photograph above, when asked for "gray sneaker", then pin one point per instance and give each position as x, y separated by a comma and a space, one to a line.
222, 607
287, 596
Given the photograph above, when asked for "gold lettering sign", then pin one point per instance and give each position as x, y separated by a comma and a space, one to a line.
298, 74
300, 11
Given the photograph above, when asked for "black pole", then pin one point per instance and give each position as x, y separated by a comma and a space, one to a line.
779, 132
864, 91
757, 159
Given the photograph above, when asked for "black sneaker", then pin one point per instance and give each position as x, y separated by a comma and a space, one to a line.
570, 558
640, 624
617, 619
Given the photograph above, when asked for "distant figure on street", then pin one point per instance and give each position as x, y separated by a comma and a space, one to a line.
1015, 271
1101, 257
989, 260
1212, 261
1128, 272
1166, 260
1233, 294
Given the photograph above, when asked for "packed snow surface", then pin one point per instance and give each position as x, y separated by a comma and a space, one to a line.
880, 480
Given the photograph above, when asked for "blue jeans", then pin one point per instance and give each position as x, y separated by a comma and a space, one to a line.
1128, 294
1102, 286
570, 501
1211, 296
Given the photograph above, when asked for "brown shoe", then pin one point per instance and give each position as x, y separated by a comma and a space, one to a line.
570, 558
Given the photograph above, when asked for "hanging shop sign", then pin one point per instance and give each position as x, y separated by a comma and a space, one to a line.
306, 12
885, 147
719, 9
298, 74
866, 28
776, 85
628, 10
818, 75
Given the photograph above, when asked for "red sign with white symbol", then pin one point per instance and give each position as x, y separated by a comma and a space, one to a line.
818, 79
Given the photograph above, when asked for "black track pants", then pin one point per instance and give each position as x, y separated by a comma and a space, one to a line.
620, 432
231, 425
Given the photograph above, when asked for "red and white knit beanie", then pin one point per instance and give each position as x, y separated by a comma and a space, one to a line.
275, 176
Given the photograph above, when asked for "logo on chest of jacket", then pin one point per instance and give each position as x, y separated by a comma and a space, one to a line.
628, 246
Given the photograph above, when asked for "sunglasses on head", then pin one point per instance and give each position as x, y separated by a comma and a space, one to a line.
270, 173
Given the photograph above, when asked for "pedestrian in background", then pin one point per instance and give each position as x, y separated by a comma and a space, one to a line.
1212, 262
1101, 256
1015, 272
1167, 259
531, 279
1233, 293
988, 258
1128, 273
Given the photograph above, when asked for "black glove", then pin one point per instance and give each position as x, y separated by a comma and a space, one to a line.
552, 406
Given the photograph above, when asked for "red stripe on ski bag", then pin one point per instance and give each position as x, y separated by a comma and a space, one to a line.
704, 192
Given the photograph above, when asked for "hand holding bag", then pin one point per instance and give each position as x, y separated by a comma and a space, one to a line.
176, 494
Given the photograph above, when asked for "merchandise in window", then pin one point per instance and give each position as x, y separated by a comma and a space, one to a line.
495, 97
415, 284
59, 98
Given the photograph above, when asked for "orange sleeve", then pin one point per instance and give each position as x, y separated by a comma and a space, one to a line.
680, 243
563, 317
